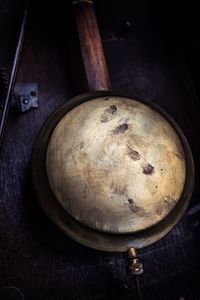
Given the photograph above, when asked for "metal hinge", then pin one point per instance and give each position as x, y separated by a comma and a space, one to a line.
25, 96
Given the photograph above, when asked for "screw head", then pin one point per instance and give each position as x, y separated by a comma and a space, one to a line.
33, 93
25, 101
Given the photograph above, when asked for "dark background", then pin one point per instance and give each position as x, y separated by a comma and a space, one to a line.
157, 58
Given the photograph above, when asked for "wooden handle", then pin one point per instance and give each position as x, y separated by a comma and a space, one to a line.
91, 46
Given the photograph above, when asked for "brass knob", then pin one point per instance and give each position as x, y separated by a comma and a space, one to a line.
134, 264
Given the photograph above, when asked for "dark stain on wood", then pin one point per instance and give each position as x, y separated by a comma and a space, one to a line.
130, 201
121, 129
75, 148
165, 205
179, 155
133, 154
148, 169
134, 208
81, 145
112, 109
109, 113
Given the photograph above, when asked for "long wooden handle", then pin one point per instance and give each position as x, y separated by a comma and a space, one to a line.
91, 46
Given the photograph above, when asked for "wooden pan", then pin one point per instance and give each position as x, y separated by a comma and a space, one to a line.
110, 170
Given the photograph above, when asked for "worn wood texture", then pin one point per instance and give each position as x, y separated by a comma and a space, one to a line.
118, 160
74, 229
94, 61
146, 60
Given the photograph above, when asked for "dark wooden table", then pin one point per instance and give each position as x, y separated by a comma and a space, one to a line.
146, 56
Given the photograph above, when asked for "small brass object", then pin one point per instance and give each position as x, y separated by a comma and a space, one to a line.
134, 264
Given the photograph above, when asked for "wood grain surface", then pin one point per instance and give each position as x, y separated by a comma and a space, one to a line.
147, 60
94, 60
83, 234
118, 161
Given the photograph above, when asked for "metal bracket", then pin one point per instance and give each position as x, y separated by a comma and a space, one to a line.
25, 96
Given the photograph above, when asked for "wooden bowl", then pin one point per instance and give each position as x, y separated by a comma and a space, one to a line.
112, 171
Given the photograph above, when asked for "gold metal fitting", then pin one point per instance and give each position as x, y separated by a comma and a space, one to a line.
134, 264
132, 253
